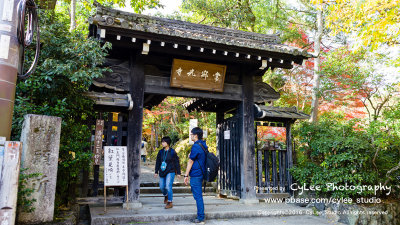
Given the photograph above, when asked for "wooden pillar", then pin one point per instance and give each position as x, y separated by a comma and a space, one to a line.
289, 153
247, 145
135, 119
219, 120
220, 117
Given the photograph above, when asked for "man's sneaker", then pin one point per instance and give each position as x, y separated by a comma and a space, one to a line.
197, 221
165, 199
169, 205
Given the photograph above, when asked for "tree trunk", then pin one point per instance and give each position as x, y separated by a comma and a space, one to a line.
317, 61
72, 15
152, 140
156, 131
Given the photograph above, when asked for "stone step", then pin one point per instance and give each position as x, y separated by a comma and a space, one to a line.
175, 195
176, 184
185, 209
186, 189
99, 200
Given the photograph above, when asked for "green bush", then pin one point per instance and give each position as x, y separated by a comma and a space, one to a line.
68, 62
334, 151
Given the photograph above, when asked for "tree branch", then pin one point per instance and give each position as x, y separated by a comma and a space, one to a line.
388, 178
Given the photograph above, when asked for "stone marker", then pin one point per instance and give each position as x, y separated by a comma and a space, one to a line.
41, 141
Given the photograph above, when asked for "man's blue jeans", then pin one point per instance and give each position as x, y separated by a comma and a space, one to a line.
166, 185
195, 184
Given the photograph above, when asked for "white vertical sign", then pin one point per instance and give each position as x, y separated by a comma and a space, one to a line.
227, 135
4, 46
192, 124
115, 166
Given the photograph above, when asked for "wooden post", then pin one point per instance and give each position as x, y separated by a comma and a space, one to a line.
289, 153
274, 173
10, 158
281, 170
259, 160
105, 198
135, 120
219, 121
259, 170
247, 158
267, 154
236, 135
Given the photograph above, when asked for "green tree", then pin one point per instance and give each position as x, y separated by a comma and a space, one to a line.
260, 16
347, 76
68, 63
374, 22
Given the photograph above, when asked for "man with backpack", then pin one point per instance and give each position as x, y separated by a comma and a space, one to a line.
195, 169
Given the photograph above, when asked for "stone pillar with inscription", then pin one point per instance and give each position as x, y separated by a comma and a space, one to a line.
41, 141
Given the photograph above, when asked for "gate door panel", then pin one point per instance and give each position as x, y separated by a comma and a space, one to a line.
229, 156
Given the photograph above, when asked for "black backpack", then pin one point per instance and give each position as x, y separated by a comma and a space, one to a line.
212, 165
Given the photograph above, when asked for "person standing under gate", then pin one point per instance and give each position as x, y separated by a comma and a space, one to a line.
167, 165
143, 150
195, 169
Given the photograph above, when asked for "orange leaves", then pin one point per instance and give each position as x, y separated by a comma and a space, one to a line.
265, 133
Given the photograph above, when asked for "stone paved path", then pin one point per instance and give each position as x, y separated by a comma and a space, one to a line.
219, 211
147, 173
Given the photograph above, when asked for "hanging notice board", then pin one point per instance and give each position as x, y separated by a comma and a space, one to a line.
115, 166
115, 169
197, 75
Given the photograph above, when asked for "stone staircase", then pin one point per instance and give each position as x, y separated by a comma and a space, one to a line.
151, 189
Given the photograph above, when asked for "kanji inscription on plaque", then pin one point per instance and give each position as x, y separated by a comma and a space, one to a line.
197, 75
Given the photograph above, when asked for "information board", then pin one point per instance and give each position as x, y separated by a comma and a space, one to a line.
115, 166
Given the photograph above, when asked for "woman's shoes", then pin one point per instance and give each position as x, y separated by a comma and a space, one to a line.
169, 205
165, 199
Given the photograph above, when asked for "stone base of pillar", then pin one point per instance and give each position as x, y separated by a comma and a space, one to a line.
249, 201
132, 205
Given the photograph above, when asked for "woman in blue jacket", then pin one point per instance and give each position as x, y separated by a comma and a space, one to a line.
167, 165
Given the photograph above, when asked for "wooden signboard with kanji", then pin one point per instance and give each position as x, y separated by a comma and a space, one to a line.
98, 142
197, 75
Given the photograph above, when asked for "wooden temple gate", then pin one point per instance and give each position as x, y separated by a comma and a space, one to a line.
144, 67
